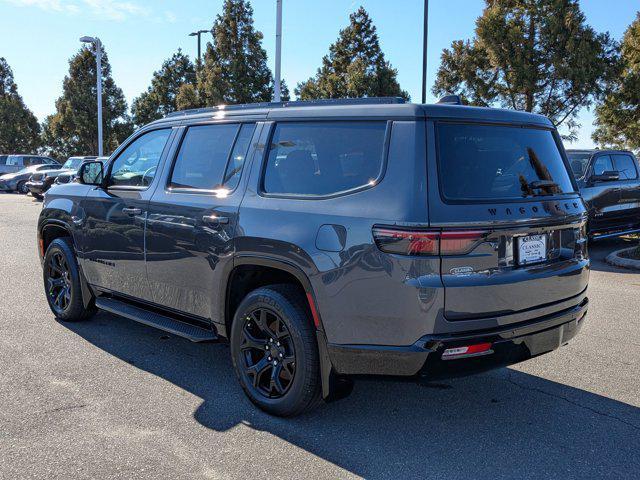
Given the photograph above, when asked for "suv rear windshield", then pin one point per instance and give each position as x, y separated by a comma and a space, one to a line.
482, 162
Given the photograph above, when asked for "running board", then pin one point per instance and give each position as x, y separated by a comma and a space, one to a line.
159, 321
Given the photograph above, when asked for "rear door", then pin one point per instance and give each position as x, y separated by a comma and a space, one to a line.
510, 220
193, 216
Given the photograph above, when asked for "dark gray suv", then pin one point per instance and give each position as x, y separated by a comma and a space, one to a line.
329, 239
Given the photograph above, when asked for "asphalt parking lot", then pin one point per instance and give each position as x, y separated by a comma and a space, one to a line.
110, 398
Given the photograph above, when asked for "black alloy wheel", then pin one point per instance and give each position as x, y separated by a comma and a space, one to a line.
58, 283
62, 282
269, 358
274, 350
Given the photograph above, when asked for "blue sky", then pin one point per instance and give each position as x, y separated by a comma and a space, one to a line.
37, 37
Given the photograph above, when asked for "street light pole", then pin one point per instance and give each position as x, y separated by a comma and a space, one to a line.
277, 93
97, 51
197, 34
425, 32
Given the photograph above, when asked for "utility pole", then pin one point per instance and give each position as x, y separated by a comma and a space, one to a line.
97, 51
425, 32
198, 33
277, 93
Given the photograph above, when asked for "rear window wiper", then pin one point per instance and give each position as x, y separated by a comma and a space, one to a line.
536, 184
547, 187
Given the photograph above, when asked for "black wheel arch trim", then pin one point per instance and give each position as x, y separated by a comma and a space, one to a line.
334, 386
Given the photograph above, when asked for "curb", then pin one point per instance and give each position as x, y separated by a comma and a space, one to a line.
616, 260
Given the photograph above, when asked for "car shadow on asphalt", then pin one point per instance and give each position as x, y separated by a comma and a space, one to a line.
503, 423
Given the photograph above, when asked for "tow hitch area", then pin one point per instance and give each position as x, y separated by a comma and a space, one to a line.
467, 351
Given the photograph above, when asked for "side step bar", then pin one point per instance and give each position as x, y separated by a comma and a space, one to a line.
152, 319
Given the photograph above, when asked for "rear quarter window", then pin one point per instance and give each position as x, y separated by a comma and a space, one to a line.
487, 162
324, 158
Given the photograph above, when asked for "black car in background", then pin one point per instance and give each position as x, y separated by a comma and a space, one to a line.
609, 183
40, 182
17, 182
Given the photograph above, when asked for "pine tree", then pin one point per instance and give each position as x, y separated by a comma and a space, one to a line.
72, 130
538, 56
235, 65
618, 117
355, 66
161, 97
19, 131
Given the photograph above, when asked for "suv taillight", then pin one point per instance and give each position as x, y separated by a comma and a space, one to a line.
426, 242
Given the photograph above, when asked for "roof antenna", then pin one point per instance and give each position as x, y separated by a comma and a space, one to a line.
450, 100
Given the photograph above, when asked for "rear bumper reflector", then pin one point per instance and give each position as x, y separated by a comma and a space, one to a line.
467, 351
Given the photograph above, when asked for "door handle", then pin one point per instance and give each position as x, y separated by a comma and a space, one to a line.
214, 220
131, 211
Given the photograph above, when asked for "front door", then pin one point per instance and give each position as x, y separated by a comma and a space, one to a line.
193, 216
602, 197
114, 218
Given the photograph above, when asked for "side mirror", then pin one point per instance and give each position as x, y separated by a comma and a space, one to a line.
91, 173
607, 176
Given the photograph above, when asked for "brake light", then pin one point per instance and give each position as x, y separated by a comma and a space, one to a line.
426, 242
405, 242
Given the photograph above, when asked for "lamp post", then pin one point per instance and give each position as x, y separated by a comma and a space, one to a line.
97, 51
425, 31
277, 92
197, 34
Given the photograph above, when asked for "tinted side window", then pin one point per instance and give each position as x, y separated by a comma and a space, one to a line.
203, 156
626, 166
601, 164
322, 158
136, 166
14, 160
3, 159
236, 162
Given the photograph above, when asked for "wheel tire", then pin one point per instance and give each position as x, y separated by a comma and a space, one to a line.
61, 277
22, 188
287, 304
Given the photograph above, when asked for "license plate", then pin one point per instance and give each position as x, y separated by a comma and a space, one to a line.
532, 249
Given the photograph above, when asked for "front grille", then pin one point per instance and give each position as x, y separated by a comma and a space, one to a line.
64, 179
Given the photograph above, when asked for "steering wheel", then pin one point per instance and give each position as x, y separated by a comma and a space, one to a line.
147, 172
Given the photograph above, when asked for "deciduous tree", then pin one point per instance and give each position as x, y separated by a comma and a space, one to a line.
538, 56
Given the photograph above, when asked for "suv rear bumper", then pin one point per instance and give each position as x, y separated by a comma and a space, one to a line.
509, 345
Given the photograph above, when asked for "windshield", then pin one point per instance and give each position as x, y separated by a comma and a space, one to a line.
578, 162
72, 163
481, 162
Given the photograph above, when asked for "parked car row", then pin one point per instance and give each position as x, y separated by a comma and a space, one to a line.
40, 182
38, 178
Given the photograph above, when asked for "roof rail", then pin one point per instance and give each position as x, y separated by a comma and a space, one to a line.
295, 103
